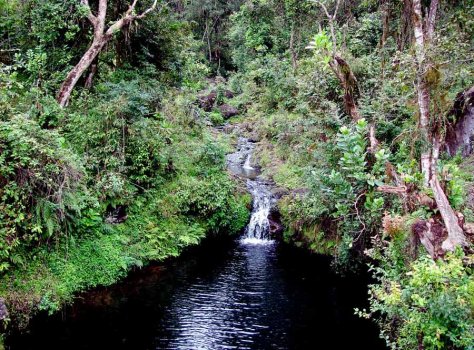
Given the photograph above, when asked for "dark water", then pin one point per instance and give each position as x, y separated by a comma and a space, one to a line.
252, 293
221, 295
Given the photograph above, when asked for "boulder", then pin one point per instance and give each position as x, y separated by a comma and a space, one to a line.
116, 215
228, 94
3, 310
278, 192
207, 102
274, 219
460, 133
228, 111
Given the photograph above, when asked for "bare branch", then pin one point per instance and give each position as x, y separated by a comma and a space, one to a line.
331, 22
131, 8
392, 189
324, 8
101, 38
374, 143
336, 10
358, 216
129, 17
102, 10
148, 10
431, 19
90, 16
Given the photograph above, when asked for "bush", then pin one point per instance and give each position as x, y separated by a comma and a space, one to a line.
40, 187
216, 118
431, 305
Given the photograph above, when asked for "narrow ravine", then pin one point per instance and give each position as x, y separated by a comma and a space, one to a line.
253, 292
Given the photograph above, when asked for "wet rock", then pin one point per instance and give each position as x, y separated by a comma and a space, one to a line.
228, 111
279, 192
228, 94
274, 220
3, 310
207, 102
116, 215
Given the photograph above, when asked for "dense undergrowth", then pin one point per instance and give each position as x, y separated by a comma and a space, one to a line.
312, 148
128, 173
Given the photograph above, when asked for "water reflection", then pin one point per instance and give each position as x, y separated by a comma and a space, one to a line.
234, 309
221, 295
251, 293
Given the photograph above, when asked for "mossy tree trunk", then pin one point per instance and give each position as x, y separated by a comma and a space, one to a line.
101, 37
430, 134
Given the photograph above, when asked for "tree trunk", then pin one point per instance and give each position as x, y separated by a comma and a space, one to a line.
349, 83
385, 9
101, 37
76, 73
423, 92
456, 236
429, 133
341, 68
294, 55
405, 30
92, 73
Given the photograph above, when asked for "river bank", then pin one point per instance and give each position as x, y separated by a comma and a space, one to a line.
246, 292
191, 196
215, 295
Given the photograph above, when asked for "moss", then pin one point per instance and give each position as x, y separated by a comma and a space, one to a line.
185, 195
56, 275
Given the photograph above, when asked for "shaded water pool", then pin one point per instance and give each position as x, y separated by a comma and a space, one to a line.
248, 293
224, 294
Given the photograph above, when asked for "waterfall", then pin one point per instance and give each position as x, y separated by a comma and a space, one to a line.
259, 226
239, 163
247, 165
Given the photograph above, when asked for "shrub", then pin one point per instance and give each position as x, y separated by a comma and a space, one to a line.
40, 180
431, 305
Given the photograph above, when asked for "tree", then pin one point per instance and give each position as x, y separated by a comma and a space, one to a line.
339, 66
101, 37
429, 130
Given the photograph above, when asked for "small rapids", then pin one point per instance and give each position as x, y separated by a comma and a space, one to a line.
258, 229
239, 162
259, 225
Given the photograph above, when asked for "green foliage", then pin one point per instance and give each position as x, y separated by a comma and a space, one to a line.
349, 192
295, 109
365, 36
41, 180
322, 47
135, 140
211, 23
432, 303
126, 147
216, 118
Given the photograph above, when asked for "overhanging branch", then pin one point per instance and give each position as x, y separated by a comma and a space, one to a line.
90, 16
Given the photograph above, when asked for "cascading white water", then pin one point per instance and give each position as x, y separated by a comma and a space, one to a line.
239, 162
259, 226
258, 229
247, 164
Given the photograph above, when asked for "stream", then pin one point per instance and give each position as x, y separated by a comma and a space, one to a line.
250, 292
